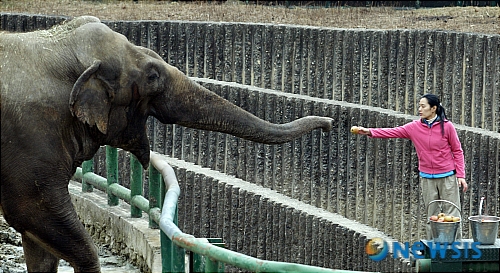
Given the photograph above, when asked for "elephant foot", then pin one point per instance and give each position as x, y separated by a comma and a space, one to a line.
37, 258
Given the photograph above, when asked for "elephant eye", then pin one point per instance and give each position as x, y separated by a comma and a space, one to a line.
153, 75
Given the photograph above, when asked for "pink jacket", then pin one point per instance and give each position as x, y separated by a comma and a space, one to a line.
436, 153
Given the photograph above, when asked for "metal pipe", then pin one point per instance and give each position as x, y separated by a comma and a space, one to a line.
154, 193
140, 202
77, 176
135, 184
101, 183
120, 191
189, 242
97, 181
112, 173
87, 166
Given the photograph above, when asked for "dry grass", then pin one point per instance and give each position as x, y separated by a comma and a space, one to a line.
467, 19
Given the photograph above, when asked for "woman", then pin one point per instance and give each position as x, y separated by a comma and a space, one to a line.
440, 155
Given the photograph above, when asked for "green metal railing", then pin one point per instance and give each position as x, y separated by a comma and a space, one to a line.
206, 254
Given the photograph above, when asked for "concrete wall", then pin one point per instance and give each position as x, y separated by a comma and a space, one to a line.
367, 77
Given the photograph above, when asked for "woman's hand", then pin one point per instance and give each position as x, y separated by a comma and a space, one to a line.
463, 184
364, 131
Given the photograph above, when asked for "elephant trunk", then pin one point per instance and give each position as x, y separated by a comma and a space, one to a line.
255, 129
191, 105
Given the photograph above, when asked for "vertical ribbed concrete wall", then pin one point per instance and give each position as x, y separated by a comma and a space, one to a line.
382, 73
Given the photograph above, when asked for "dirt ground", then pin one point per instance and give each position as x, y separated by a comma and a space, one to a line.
464, 19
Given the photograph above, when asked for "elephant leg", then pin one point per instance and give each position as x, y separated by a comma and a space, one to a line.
38, 259
37, 203
51, 231
73, 245
66, 237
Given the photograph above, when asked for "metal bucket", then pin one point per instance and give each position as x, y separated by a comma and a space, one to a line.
444, 232
484, 228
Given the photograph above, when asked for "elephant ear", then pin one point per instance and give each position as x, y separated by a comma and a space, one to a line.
89, 99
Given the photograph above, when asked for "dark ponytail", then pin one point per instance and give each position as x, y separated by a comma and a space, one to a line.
433, 100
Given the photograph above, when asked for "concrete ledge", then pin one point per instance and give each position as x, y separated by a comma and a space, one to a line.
113, 227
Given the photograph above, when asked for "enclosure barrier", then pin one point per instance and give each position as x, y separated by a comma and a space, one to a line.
188, 242
174, 242
262, 223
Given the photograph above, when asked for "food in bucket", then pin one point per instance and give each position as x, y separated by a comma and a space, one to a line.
441, 217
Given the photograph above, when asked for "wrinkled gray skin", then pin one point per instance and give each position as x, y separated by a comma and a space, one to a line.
67, 91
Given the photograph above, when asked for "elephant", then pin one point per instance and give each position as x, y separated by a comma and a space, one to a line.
67, 91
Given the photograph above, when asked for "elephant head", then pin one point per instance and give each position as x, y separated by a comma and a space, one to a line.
122, 84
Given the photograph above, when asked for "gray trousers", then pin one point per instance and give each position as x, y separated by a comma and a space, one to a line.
441, 189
